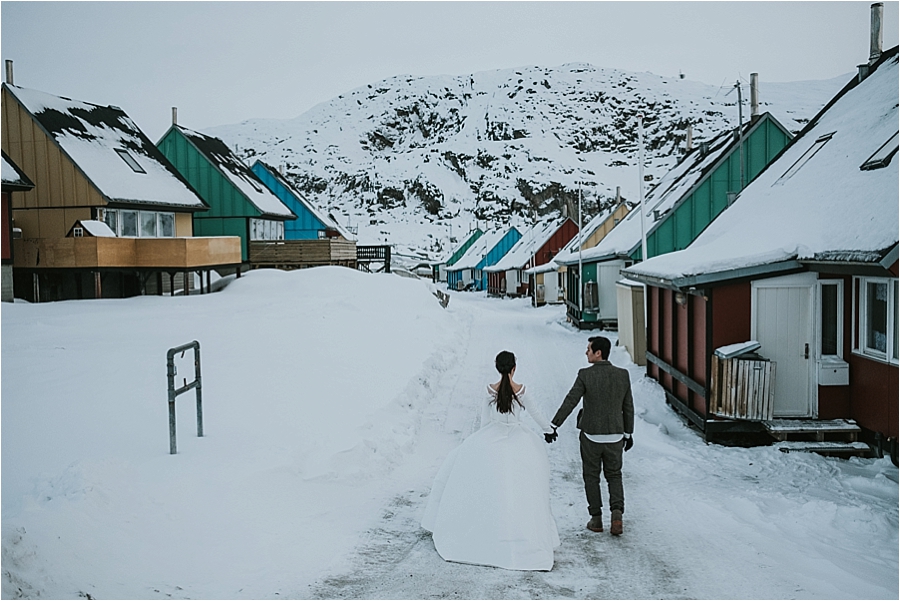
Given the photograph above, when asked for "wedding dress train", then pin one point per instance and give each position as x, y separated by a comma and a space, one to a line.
490, 502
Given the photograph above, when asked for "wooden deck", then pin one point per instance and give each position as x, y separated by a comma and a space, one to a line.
179, 254
298, 254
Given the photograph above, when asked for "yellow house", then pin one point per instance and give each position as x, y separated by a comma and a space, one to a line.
91, 163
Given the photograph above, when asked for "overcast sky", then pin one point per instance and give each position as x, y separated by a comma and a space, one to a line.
224, 62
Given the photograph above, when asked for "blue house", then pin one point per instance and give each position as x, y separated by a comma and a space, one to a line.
311, 223
467, 273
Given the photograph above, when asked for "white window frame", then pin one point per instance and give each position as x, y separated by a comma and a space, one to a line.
860, 286
137, 223
840, 318
159, 225
150, 217
266, 229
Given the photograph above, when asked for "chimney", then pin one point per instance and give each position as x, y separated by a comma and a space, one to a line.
174, 115
9, 72
754, 95
618, 195
689, 143
875, 33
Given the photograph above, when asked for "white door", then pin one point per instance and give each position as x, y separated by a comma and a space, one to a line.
782, 322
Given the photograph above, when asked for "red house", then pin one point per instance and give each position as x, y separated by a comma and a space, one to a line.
537, 247
804, 267
14, 180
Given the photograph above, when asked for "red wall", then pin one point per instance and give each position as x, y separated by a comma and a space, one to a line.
730, 314
6, 227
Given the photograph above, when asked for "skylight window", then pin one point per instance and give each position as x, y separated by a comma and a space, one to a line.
882, 156
130, 160
810, 153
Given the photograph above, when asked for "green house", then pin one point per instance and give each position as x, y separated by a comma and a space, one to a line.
239, 203
440, 269
686, 200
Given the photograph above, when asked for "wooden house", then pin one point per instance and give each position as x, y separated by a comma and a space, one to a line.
240, 204
13, 180
538, 246
805, 265
92, 163
440, 268
467, 273
684, 202
554, 285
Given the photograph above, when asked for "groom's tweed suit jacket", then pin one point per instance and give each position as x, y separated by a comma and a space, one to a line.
608, 406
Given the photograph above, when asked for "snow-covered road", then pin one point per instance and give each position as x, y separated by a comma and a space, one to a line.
701, 522
331, 398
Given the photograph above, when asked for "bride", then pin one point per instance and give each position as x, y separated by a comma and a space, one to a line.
490, 502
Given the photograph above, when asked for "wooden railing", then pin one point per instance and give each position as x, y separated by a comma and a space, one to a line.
297, 254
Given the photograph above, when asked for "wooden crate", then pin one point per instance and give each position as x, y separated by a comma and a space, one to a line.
743, 388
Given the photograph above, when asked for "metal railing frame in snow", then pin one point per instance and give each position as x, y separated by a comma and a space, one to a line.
173, 393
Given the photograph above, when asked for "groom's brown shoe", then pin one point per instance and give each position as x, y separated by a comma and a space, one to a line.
616, 527
596, 524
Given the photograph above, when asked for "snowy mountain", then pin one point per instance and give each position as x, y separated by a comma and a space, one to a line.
417, 161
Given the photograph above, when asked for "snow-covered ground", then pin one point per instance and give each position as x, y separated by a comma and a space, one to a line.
330, 398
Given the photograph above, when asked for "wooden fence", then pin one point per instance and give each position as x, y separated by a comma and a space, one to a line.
297, 254
743, 388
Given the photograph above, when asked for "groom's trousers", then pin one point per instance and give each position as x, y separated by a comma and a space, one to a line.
597, 456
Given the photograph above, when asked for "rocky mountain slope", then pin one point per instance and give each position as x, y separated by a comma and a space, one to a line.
418, 161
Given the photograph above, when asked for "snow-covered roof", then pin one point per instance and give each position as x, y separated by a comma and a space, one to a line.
326, 219
523, 250
815, 202
571, 249
479, 249
235, 171
674, 186
13, 177
109, 149
97, 228
476, 232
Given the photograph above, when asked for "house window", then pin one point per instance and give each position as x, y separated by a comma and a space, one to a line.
111, 217
878, 327
165, 225
882, 157
128, 224
266, 229
805, 157
148, 224
78, 232
831, 322
130, 160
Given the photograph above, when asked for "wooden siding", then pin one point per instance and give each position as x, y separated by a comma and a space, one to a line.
6, 225
57, 180
303, 253
91, 252
608, 224
184, 225
692, 214
49, 223
223, 198
307, 226
235, 226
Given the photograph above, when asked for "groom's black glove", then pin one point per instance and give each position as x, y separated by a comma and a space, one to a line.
551, 436
629, 442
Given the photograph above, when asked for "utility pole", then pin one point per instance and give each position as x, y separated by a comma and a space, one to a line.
640, 119
580, 285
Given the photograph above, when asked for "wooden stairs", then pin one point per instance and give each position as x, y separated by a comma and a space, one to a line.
832, 438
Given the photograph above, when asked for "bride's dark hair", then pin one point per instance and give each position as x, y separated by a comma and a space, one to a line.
505, 362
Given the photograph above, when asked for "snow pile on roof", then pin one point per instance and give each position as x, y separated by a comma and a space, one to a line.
110, 149
523, 251
479, 250
814, 202
587, 231
677, 183
237, 173
12, 175
97, 228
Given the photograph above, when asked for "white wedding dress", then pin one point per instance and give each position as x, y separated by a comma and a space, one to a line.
490, 502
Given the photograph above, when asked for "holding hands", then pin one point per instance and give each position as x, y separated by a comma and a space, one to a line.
551, 436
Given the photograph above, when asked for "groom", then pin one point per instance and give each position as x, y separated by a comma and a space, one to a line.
606, 422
